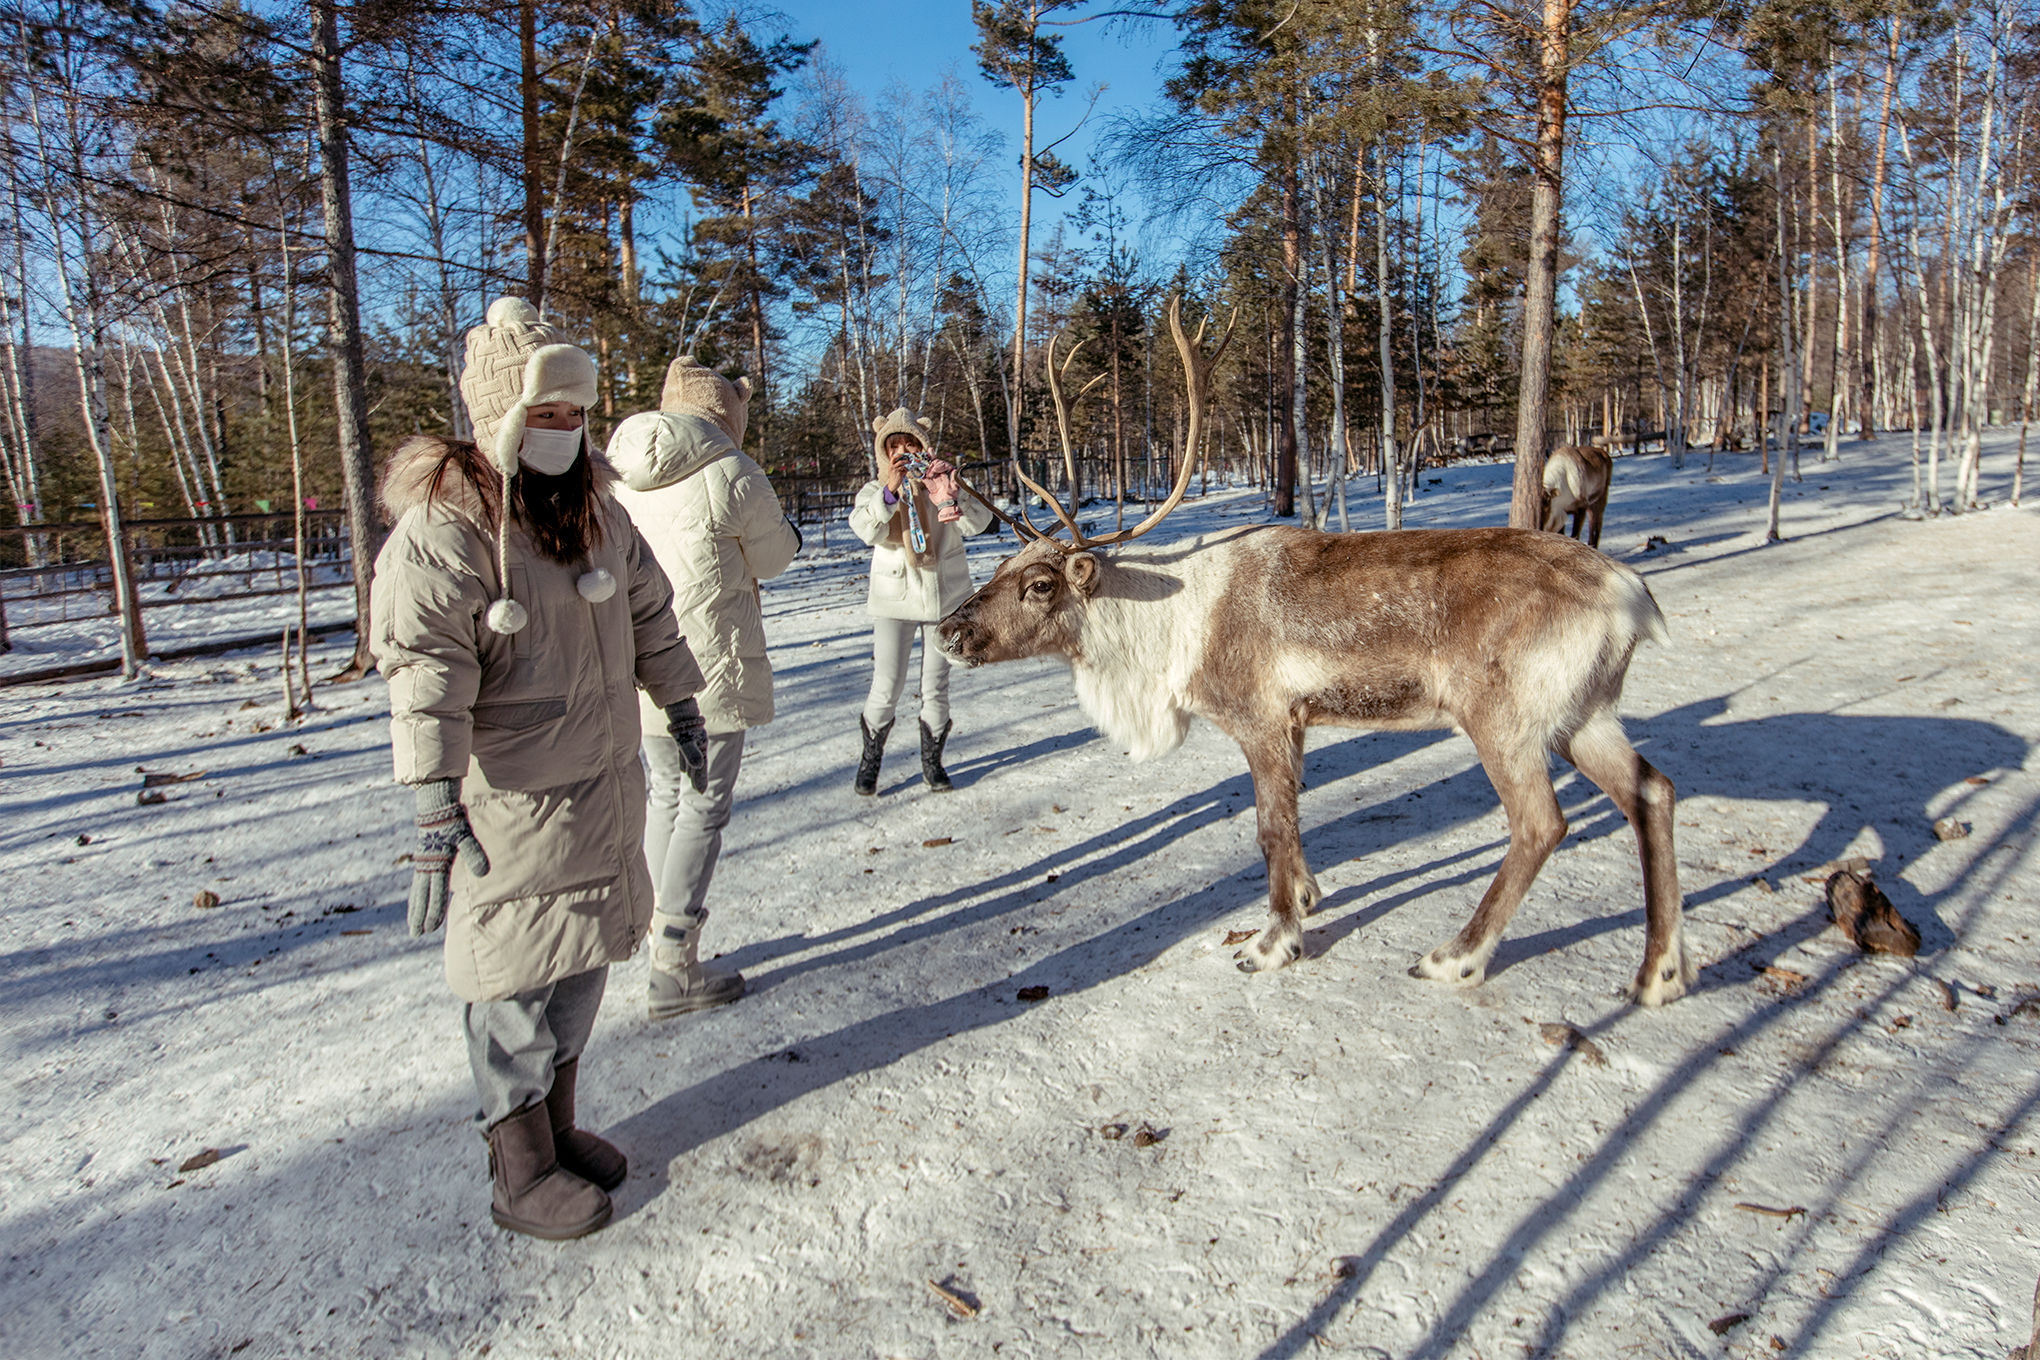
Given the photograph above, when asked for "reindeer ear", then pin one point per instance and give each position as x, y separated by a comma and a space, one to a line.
743, 386
1080, 569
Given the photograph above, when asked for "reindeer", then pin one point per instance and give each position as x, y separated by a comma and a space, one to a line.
1576, 483
1519, 639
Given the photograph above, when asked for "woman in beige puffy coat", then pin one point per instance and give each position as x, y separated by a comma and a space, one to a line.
516, 613
913, 587
712, 520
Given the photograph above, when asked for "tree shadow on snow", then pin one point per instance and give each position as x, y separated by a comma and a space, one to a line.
728, 1100
1890, 775
1075, 866
1866, 772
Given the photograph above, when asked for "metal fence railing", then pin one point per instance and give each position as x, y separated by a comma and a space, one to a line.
59, 573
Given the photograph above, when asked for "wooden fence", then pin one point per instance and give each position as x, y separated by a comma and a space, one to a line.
57, 573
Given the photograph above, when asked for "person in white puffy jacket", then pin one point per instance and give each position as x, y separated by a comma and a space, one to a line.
716, 527
913, 587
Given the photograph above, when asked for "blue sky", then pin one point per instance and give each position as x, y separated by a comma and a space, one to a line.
914, 41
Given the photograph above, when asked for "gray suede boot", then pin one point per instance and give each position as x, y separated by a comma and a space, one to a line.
680, 981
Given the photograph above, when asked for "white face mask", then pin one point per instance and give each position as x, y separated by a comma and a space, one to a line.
549, 451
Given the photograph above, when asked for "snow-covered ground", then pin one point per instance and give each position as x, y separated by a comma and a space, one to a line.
1834, 1157
239, 596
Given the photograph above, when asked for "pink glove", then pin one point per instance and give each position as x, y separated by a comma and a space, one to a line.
940, 479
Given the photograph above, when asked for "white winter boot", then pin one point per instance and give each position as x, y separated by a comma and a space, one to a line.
680, 981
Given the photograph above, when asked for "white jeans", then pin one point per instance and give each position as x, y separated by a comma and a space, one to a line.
891, 641
683, 829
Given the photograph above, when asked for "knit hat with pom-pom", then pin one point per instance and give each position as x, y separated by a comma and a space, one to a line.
697, 391
516, 361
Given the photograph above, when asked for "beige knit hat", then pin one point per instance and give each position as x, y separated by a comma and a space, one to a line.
516, 361
901, 421
697, 391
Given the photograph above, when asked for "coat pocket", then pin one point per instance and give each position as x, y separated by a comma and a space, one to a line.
519, 716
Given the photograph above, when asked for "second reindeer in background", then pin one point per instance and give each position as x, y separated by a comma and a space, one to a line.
912, 517
715, 525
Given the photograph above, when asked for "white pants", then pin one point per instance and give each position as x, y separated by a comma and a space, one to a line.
683, 829
891, 641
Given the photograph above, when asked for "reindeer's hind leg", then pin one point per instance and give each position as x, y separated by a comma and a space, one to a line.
1536, 826
1275, 761
1594, 513
1603, 754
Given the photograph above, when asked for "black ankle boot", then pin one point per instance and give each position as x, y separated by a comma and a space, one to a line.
874, 751
932, 773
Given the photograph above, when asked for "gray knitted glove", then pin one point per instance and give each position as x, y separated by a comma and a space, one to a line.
443, 832
690, 733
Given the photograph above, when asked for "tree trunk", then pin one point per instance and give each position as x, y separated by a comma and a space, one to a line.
1384, 336
1287, 376
1806, 230
1788, 376
1541, 283
343, 331
533, 165
82, 315
2032, 388
1335, 343
1014, 398
297, 468
1867, 359
1299, 361
1841, 358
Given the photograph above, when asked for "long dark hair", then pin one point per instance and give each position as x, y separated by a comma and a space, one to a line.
559, 513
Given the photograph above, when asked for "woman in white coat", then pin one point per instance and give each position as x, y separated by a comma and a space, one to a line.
913, 586
714, 524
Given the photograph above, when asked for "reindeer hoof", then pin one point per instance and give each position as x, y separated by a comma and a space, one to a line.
1269, 951
1444, 965
1667, 981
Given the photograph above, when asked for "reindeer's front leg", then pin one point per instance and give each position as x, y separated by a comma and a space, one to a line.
1274, 760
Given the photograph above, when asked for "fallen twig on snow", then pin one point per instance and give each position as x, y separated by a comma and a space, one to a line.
958, 1304
1769, 1212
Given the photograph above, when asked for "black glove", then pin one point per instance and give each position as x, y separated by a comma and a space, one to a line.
443, 832
690, 733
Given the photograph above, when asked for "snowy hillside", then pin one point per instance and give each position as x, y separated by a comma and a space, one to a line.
883, 1151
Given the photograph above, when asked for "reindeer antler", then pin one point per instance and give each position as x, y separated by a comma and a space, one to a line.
1056, 373
1197, 368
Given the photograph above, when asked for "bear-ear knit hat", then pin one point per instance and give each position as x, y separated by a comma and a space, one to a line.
515, 361
901, 421
698, 391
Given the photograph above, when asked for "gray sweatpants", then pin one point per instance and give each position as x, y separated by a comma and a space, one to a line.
514, 1045
891, 641
683, 829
